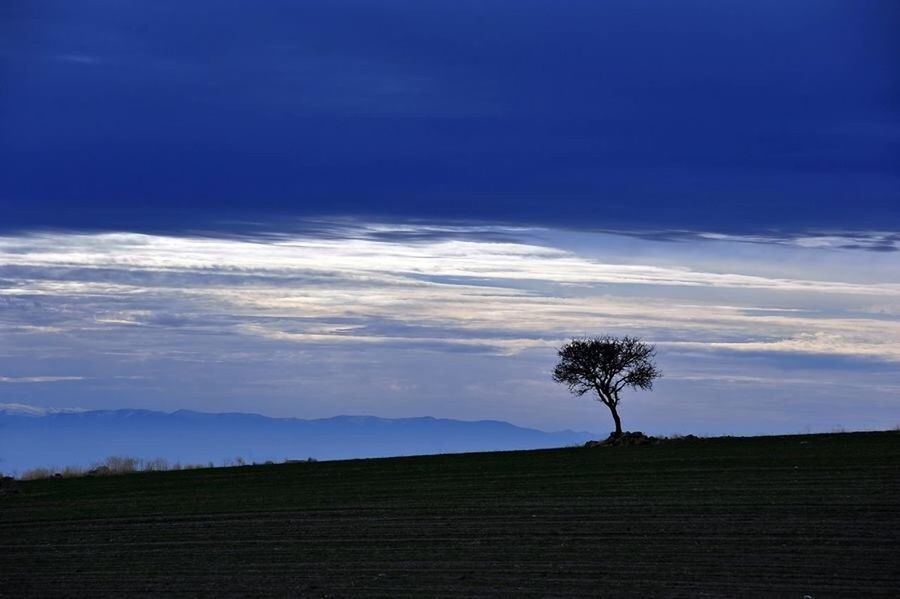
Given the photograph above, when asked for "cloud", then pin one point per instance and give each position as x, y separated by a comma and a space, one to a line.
39, 379
369, 260
19, 409
501, 289
820, 342
455, 321
874, 241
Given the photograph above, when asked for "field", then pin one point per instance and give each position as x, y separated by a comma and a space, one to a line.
815, 515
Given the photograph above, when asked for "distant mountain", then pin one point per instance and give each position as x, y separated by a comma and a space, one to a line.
32, 437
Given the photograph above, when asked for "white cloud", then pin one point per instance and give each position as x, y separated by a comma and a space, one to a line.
882, 241
859, 345
425, 320
39, 379
507, 295
367, 260
19, 409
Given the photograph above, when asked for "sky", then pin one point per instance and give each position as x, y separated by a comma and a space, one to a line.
403, 208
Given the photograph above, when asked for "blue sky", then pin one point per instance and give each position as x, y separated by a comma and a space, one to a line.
400, 208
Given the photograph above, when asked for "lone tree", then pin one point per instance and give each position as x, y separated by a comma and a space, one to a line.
606, 365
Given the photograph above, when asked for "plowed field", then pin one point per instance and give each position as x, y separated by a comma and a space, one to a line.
815, 515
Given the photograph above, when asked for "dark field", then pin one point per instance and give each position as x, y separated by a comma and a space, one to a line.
768, 516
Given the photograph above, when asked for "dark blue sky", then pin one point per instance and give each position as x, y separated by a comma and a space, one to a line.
728, 116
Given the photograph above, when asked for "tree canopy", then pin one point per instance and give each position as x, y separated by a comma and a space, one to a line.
606, 365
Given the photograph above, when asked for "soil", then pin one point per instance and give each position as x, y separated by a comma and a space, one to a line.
815, 515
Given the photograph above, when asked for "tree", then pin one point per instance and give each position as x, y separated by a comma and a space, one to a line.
606, 365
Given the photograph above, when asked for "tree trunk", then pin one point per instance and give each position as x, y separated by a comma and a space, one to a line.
615, 415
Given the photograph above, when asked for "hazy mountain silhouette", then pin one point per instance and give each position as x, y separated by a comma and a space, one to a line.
31, 437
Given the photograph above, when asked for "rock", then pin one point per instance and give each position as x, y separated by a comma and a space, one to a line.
626, 439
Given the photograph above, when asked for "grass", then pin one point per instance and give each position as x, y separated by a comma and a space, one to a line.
815, 515
116, 465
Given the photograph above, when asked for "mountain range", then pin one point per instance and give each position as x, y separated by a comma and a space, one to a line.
36, 437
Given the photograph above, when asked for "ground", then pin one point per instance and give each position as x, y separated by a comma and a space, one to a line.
815, 515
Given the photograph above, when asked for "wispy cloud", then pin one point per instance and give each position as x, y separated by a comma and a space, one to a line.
366, 260
874, 241
410, 311
39, 379
29, 410
860, 344
495, 293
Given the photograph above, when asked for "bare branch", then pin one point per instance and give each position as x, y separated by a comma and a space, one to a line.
606, 365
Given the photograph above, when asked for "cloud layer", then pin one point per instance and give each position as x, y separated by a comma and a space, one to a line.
343, 315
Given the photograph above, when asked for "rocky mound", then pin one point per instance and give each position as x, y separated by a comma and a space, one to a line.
626, 439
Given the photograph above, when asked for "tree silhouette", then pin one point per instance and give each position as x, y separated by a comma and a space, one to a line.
606, 365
